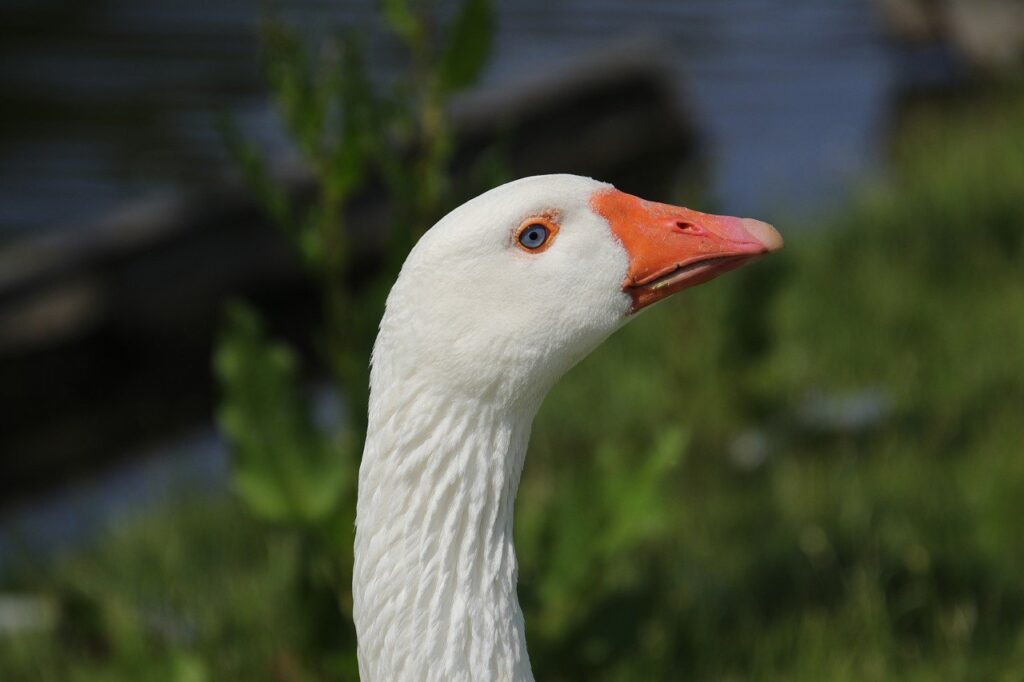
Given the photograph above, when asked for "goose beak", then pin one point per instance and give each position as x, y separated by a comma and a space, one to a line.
672, 248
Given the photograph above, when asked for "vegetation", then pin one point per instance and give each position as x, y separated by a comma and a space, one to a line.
290, 473
698, 501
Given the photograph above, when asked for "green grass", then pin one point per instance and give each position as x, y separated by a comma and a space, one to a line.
895, 552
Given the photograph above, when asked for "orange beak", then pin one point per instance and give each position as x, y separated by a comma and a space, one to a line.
673, 248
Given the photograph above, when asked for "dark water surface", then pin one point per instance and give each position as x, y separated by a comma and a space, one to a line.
109, 101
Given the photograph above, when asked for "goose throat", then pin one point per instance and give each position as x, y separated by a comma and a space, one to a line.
435, 563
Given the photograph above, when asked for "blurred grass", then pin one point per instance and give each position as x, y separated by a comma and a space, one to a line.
648, 551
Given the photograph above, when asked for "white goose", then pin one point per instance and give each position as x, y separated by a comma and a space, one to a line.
493, 305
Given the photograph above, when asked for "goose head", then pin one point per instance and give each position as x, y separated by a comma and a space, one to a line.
492, 306
511, 289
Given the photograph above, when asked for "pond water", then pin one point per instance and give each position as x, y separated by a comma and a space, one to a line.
114, 100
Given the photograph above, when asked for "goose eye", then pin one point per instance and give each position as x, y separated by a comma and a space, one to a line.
534, 236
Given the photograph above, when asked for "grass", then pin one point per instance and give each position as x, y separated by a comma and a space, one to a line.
648, 549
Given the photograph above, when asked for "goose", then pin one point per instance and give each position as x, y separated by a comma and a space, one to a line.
492, 306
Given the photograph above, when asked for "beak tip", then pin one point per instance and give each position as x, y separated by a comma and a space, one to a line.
764, 233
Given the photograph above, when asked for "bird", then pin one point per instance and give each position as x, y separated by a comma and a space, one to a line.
491, 307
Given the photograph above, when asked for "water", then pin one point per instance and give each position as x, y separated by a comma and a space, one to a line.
72, 516
107, 102
790, 94
75, 514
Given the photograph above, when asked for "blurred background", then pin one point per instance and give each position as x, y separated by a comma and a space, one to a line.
811, 469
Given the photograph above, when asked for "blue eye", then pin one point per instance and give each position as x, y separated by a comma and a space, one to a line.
534, 236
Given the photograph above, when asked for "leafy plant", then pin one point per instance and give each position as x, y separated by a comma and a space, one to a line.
288, 471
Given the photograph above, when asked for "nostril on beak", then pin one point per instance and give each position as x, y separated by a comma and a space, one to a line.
688, 228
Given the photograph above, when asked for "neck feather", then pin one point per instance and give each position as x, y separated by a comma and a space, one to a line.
435, 566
